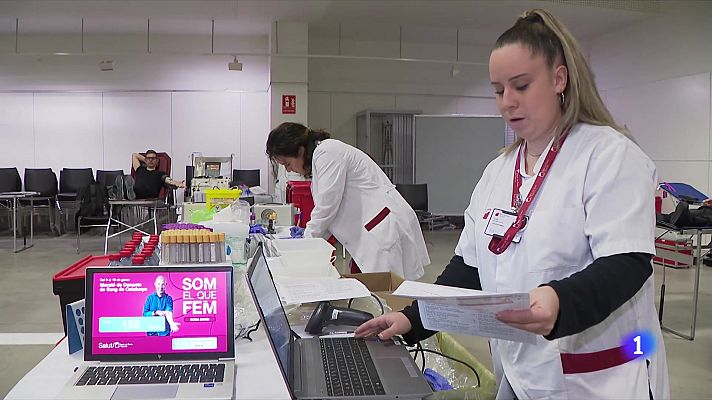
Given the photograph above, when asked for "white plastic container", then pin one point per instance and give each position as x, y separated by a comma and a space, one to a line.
235, 235
309, 257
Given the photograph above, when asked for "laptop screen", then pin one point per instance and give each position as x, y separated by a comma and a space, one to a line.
159, 313
271, 311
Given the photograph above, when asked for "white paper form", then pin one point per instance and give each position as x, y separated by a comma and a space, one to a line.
465, 311
297, 290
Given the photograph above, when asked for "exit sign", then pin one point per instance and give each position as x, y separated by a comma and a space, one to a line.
289, 104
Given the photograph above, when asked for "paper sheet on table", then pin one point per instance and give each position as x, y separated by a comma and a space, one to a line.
297, 291
465, 311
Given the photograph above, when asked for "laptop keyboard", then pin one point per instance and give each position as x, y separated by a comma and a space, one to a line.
148, 374
348, 368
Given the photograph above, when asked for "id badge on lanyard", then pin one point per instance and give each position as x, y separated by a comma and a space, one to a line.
507, 226
498, 223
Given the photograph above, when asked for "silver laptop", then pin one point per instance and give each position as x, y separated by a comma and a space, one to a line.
157, 332
332, 368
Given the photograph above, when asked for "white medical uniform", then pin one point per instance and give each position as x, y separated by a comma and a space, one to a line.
596, 201
357, 203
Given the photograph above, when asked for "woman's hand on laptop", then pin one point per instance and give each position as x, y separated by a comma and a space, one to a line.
386, 326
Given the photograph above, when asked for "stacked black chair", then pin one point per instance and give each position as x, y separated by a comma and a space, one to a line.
108, 177
71, 181
43, 181
9, 182
416, 195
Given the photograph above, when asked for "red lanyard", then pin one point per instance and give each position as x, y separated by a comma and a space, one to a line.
499, 245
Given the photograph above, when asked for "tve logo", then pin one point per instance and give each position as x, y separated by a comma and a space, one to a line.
639, 344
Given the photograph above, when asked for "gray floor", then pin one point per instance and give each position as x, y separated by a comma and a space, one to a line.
27, 305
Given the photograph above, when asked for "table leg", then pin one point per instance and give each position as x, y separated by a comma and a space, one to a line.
695, 294
14, 224
14, 228
108, 226
155, 223
32, 225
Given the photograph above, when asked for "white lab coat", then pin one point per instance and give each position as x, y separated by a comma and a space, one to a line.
350, 191
596, 201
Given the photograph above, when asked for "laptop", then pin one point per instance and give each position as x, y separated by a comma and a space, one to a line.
332, 368
684, 192
157, 332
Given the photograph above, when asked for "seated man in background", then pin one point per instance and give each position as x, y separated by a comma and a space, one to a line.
684, 216
149, 179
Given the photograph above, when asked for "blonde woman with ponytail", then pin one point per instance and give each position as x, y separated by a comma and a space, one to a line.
566, 214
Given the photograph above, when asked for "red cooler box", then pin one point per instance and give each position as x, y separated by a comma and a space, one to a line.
68, 284
299, 194
674, 253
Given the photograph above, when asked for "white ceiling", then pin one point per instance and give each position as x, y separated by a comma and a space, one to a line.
586, 19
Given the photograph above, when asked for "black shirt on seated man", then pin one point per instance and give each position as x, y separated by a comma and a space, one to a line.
149, 179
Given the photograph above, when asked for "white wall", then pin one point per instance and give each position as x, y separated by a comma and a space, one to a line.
101, 130
62, 111
340, 88
655, 77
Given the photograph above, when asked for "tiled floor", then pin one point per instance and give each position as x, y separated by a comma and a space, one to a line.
27, 305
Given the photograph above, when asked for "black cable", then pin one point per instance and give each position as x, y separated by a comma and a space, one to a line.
450, 358
251, 329
383, 310
379, 303
415, 358
422, 354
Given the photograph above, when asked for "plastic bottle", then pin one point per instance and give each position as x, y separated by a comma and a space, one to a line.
193, 239
114, 259
129, 246
162, 242
148, 254
125, 259
184, 252
172, 249
205, 246
212, 238
137, 260
201, 247
155, 256
136, 244
221, 247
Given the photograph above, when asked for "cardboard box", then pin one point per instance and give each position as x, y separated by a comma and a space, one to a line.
383, 284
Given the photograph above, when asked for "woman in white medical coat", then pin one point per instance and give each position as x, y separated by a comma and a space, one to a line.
354, 200
575, 197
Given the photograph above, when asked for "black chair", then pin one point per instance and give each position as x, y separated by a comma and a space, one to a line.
247, 177
71, 181
94, 221
108, 177
415, 194
43, 181
9, 182
417, 197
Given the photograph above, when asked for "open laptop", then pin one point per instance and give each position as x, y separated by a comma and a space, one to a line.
157, 332
332, 368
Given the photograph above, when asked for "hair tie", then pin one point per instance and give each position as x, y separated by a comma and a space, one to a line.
534, 18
